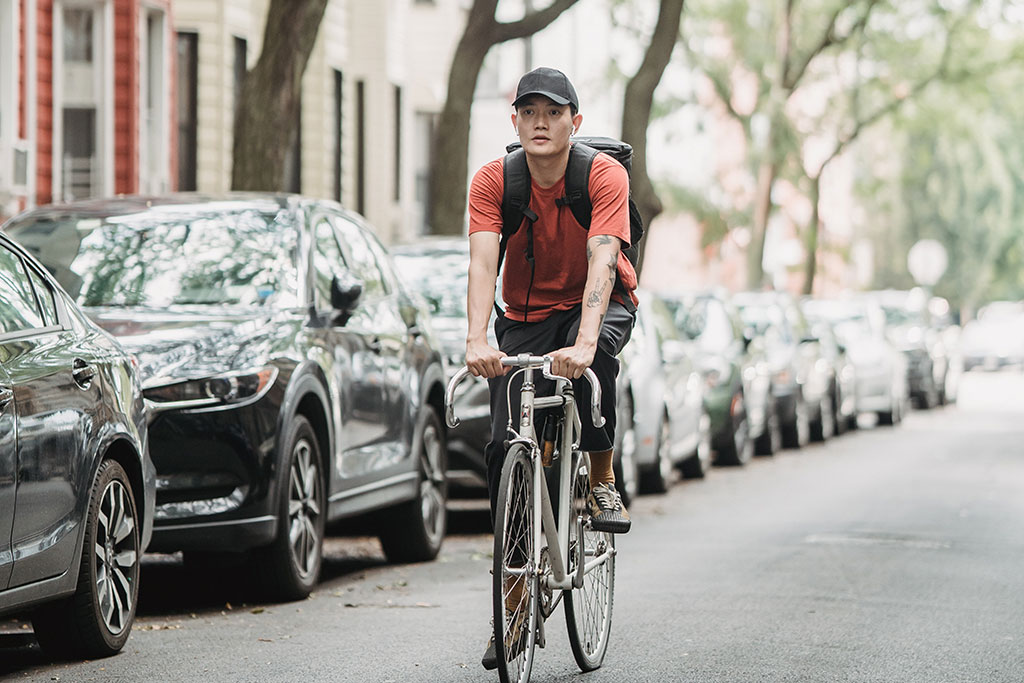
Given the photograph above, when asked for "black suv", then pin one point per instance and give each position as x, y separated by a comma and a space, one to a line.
290, 378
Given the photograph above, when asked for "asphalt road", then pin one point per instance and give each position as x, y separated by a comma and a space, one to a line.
887, 554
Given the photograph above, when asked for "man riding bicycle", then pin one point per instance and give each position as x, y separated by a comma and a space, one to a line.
558, 282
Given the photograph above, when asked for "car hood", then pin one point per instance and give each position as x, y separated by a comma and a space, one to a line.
192, 344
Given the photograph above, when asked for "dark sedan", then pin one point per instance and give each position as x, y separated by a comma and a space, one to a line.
289, 375
76, 481
438, 269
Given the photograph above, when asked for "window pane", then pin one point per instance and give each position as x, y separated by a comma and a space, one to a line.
45, 295
18, 309
187, 84
327, 261
78, 34
362, 261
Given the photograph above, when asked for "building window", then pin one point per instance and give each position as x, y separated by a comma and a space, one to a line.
338, 101
153, 133
188, 87
361, 147
398, 143
241, 69
423, 148
81, 93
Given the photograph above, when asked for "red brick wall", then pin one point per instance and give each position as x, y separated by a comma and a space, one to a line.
44, 101
22, 70
126, 96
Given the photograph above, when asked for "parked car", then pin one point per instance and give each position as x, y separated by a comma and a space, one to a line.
909, 327
669, 422
801, 375
290, 378
995, 339
841, 403
737, 395
438, 269
879, 369
77, 486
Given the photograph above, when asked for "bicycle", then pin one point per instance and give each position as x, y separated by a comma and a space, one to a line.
537, 560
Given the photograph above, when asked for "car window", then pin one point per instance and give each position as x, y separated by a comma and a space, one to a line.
18, 308
327, 260
45, 296
210, 255
362, 259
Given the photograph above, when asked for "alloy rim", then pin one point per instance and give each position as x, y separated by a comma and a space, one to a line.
117, 558
432, 505
304, 509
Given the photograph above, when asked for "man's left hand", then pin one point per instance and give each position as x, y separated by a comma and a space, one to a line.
573, 360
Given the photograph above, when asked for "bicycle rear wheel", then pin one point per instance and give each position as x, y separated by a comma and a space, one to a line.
515, 579
588, 609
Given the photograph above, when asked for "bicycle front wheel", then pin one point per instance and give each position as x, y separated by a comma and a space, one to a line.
588, 609
515, 577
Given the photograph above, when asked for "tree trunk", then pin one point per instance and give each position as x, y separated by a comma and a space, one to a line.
636, 109
811, 264
268, 105
449, 166
762, 210
771, 160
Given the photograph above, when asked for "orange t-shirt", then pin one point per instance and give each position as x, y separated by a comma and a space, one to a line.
559, 241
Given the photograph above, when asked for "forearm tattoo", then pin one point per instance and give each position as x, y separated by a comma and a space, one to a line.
597, 295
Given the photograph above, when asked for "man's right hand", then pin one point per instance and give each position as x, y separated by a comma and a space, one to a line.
483, 360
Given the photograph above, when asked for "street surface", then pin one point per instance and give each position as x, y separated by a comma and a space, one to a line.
887, 554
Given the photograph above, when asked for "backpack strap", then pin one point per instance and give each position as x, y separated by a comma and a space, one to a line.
577, 198
515, 208
577, 183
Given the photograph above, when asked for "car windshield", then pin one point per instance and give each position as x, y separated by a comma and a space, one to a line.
440, 278
165, 258
897, 315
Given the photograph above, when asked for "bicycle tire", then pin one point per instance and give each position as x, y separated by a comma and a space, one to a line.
515, 630
588, 609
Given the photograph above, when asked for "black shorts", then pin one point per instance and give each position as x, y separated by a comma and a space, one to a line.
555, 332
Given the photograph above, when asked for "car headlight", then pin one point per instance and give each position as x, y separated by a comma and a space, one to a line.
211, 391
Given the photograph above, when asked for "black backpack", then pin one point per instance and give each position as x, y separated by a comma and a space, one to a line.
515, 201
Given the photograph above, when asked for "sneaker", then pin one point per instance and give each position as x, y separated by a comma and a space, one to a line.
516, 640
490, 660
607, 513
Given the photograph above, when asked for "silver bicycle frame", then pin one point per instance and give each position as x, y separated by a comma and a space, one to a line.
556, 534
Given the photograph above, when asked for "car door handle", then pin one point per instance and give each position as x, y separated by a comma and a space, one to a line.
6, 397
83, 373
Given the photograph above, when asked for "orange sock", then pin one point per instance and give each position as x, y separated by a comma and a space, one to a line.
601, 471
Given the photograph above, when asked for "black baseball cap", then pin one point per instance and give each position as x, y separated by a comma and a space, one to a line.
550, 83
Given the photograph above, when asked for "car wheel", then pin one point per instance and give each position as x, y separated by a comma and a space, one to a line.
97, 619
770, 440
697, 465
657, 478
842, 422
737, 446
797, 433
627, 476
414, 531
825, 425
291, 564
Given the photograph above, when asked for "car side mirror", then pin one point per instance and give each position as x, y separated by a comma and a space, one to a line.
346, 293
